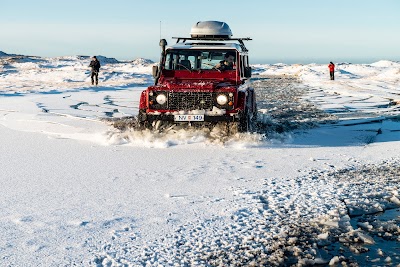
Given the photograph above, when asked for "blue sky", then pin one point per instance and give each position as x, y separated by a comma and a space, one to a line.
289, 31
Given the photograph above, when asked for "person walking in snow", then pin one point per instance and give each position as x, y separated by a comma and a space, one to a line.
331, 67
95, 65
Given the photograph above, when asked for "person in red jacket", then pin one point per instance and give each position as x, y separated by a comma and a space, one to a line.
331, 67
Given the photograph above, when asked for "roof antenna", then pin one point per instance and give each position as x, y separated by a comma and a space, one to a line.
160, 29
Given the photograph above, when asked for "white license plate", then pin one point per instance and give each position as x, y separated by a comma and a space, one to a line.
188, 117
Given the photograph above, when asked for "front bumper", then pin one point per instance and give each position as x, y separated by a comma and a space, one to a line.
170, 118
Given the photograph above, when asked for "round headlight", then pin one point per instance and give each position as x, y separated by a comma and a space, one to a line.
161, 99
222, 100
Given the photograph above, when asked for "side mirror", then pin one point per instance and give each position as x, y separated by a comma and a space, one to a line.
155, 71
247, 72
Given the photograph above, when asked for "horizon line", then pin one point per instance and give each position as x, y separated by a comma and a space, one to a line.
355, 60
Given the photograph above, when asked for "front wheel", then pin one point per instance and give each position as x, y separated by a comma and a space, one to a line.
247, 121
142, 120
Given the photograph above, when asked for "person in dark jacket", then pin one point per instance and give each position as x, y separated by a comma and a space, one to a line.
227, 63
331, 67
95, 65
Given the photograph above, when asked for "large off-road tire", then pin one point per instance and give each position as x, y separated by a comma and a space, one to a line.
142, 121
243, 124
247, 121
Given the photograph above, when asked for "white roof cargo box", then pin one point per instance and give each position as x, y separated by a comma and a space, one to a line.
203, 29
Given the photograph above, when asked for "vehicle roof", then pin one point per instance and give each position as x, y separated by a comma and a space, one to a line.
207, 45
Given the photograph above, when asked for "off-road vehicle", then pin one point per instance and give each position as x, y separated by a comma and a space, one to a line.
192, 88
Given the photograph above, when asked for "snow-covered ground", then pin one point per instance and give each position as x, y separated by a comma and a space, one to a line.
77, 191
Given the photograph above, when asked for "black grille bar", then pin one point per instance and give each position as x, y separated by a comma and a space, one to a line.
190, 100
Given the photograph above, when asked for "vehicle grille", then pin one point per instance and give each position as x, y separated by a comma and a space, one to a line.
190, 100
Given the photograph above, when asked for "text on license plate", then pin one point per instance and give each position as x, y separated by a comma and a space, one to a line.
188, 117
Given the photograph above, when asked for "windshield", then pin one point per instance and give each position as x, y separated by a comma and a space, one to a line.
196, 59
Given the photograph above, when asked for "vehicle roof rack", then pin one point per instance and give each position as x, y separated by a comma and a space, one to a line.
214, 38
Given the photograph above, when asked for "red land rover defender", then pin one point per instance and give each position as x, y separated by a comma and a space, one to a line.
192, 88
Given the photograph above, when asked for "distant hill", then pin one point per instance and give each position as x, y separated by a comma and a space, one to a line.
109, 60
10, 58
2, 54
142, 61
386, 63
102, 59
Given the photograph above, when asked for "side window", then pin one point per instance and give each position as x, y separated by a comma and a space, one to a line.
168, 62
172, 61
241, 66
247, 69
